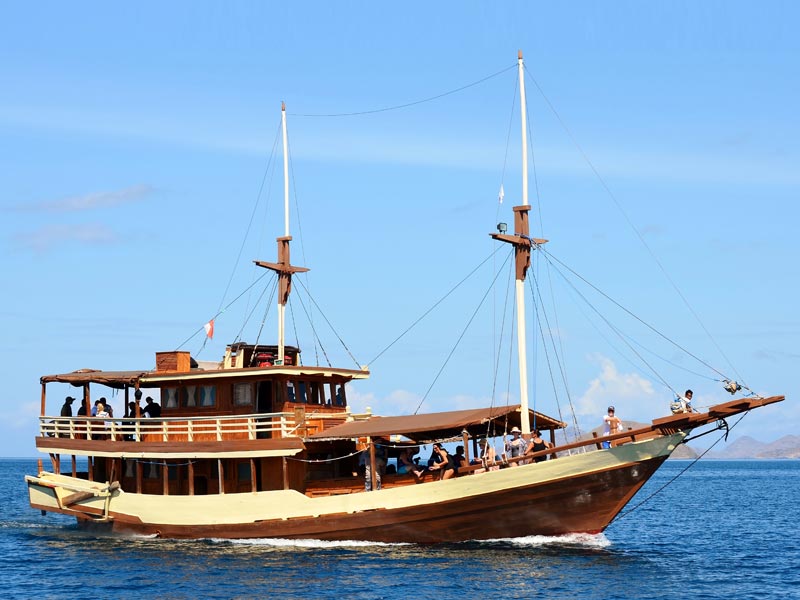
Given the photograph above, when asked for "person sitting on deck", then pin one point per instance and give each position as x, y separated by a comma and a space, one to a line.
537, 444
443, 462
488, 457
459, 458
152, 409
405, 464
516, 446
380, 464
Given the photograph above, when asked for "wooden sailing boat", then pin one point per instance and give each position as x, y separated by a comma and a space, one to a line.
261, 446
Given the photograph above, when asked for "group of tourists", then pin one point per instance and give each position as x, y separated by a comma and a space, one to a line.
103, 409
518, 447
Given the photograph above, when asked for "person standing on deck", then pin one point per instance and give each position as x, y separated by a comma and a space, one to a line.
152, 409
66, 409
611, 424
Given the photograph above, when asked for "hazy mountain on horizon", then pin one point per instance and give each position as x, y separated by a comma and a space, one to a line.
746, 447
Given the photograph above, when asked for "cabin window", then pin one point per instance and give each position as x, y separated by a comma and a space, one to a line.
340, 397
129, 468
243, 471
190, 395
172, 472
208, 395
170, 397
152, 470
301, 392
324, 396
290, 391
243, 394
313, 393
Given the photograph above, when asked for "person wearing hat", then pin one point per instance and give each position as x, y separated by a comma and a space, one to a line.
611, 424
516, 445
66, 410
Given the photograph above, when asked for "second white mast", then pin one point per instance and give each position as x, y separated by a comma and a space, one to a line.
520, 281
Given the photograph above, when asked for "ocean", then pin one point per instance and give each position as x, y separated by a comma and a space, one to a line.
723, 529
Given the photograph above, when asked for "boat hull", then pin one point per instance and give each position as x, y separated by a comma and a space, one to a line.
574, 494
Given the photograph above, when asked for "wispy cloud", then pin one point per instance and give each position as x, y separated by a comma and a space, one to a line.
398, 402
42, 239
90, 201
23, 415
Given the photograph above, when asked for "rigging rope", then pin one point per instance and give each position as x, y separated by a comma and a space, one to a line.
252, 216
460, 337
252, 312
630, 223
617, 331
557, 357
202, 328
437, 303
671, 481
408, 104
642, 321
310, 297
317, 338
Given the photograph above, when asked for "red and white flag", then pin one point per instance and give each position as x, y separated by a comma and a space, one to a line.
209, 327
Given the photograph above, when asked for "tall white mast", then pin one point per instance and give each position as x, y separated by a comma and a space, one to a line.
281, 305
520, 282
283, 267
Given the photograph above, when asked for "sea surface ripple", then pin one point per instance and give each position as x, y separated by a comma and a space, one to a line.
723, 529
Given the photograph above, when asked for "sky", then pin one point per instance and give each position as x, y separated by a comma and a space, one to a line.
142, 174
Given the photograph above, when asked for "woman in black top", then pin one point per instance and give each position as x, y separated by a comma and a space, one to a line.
443, 462
537, 444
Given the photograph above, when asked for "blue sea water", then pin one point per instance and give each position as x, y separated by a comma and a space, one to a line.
723, 529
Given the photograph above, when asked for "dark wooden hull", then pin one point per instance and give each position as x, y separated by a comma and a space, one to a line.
583, 504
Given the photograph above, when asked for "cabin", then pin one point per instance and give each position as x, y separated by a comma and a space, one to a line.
223, 427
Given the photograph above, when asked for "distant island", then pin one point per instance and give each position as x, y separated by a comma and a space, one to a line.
746, 447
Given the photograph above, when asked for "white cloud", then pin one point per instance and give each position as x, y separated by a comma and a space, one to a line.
625, 391
42, 239
398, 402
91, 201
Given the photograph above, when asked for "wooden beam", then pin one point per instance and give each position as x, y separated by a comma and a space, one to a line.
373, 467
191, 477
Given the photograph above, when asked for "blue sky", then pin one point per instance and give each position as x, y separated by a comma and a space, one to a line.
136, 140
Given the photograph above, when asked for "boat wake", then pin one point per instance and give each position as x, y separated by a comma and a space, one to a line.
582, 540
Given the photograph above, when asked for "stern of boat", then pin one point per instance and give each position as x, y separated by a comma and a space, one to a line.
86, 500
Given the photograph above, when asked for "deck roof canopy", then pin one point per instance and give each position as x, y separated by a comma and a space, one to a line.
114, 379
497, 420
151, 379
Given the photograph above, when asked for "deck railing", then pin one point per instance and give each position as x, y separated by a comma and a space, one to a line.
191, 429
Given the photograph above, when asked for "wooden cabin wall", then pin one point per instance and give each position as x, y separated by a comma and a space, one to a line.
271, 473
